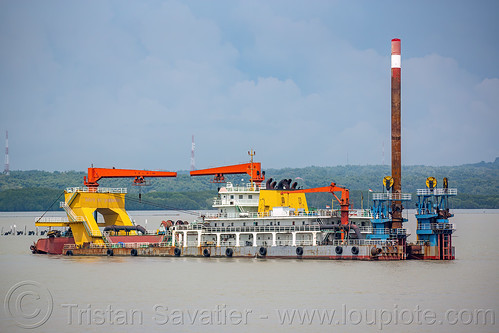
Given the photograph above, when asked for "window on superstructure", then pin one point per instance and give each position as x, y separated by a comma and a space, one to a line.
271, 223
293, 222
232, 196
250, 196
303, 222
244, 224
240, 196
278, 222
222, 224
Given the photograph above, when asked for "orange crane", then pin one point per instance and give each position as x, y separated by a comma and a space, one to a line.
94, 174
344, 201
254, 170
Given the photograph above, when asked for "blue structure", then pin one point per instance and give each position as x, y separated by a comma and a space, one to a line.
383, 204
434, 230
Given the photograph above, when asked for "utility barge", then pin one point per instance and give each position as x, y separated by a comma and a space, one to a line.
262, 219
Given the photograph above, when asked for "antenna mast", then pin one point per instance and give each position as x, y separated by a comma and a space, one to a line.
193, 166
251, 153
6, 170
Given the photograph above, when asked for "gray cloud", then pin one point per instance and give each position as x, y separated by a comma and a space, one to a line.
126, 84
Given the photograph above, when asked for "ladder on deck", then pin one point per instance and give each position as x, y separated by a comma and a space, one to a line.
105, 237
445, 242
78, 219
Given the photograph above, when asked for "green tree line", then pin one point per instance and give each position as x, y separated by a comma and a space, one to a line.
477, 184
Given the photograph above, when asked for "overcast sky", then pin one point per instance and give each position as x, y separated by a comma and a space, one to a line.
127, 83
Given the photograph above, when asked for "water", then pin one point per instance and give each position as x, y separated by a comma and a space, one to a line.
128, 294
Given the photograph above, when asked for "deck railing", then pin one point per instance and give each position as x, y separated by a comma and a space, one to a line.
361, 213
437, 226
121, 245
249, 229
388, 242
391, 196
355, 213
96, 190
248, 187
48, 219
437, 191
255, 215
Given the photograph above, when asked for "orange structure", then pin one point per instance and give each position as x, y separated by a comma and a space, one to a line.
344, 201
94, 174
254, 170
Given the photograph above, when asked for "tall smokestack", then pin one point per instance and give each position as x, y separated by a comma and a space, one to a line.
396, 137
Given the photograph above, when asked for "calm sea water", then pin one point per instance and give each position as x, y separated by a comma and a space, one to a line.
128, 294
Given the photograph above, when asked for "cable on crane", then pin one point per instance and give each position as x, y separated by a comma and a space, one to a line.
158, 205
50, 207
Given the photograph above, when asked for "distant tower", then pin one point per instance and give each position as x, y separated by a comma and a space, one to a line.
6, 171
193, 165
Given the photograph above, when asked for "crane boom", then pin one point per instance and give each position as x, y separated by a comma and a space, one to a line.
254, 170
95, 174
344, 201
